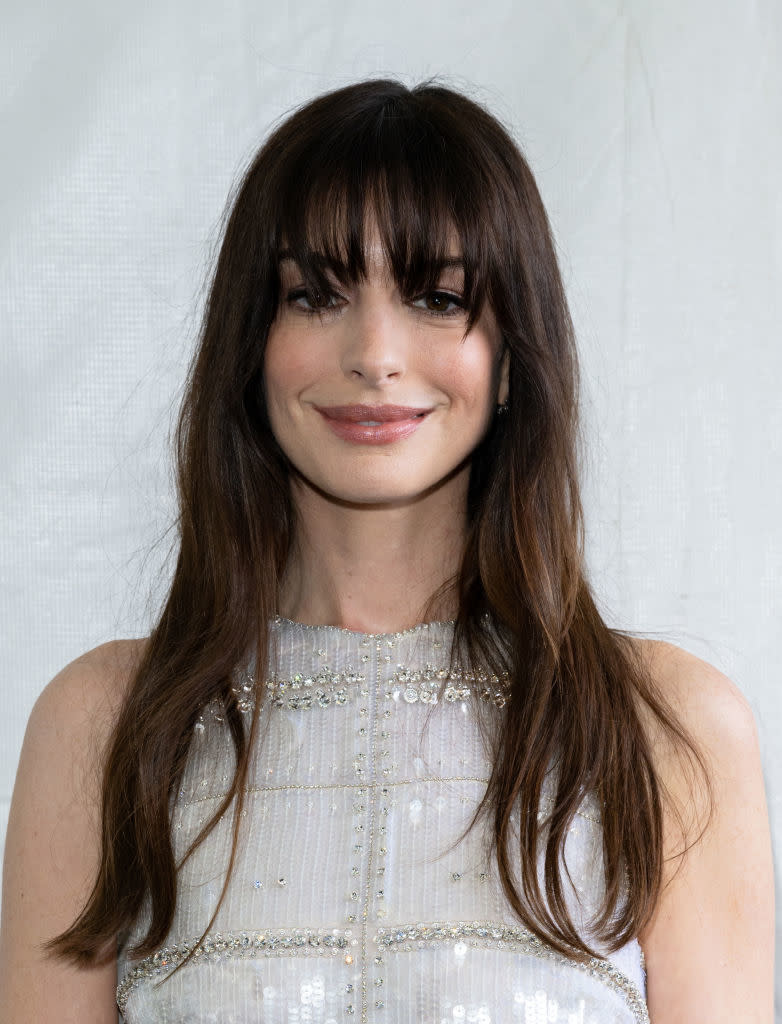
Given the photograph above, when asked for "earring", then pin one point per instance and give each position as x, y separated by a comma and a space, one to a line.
501, 409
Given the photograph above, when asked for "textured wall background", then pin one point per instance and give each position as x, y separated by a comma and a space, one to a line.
654, 131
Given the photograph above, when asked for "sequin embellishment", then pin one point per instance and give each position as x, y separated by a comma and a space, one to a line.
515, 939
323, 689
301, 941
328, 688
414, 685
399, 939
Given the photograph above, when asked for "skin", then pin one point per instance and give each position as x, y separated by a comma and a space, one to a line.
710, 945
52, 843
394, 514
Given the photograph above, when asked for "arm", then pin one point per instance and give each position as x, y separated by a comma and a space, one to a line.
52, 845
710, 945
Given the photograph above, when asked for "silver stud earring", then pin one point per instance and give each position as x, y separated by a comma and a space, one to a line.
502, 409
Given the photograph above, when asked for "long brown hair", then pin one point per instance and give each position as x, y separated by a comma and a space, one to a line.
428, 162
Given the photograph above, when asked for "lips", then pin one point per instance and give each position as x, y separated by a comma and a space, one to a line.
373, 424
371, 413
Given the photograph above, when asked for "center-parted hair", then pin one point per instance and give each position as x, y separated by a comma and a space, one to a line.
439, 176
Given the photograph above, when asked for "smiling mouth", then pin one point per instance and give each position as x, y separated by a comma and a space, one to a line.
362, 425
367, 415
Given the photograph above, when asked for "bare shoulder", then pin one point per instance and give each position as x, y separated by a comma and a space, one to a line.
74, 715
708, 704
52, 847
709, 944
93, 686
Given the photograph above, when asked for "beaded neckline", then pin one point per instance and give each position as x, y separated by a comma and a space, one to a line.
280, 620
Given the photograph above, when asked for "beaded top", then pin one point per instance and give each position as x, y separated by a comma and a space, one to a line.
351, 898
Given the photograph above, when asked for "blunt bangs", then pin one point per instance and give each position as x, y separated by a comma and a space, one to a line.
401, 162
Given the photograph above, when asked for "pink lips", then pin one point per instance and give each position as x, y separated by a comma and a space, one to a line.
387, 422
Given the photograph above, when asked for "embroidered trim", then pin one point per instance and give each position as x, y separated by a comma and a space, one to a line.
246, 945
423, 685
406, 938
398, 939
342, 786
327, 687
546, 803
319, 689
443, 625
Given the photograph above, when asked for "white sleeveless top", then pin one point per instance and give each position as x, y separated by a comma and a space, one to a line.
349, 900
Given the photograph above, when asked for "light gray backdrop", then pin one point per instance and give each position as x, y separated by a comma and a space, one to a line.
653, 127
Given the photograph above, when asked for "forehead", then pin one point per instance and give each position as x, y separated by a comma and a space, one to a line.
375, 257
328, 243
376, 262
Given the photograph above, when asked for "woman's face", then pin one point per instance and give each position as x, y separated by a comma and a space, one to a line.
371, 355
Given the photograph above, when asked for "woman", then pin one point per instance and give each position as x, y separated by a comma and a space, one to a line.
452, 792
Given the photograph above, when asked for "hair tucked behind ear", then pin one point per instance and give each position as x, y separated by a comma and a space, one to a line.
430, 163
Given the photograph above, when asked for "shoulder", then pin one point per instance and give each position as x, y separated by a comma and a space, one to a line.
70, 725
700, 780
100, 675
708, 943
711, 708
59, 774
52, 851
88, 693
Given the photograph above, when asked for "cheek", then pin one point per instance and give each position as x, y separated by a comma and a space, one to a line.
288, 367
471, 375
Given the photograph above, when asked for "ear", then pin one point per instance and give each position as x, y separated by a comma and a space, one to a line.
504, 385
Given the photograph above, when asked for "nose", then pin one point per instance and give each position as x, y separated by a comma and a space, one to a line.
375, 345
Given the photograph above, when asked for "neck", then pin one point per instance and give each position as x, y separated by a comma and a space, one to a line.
374, 569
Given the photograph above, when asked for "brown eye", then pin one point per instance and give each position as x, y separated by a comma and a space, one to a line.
311, 301
441, 303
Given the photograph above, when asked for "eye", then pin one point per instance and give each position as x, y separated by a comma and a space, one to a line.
312, 302
440, 303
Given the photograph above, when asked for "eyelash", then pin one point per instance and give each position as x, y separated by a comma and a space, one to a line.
301, 293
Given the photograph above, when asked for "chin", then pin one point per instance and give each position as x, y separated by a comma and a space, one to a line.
369, 497
395, 488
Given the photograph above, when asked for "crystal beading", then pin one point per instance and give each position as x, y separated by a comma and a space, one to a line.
515, 939
329, 688
288, 942
424, 685
397, 939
